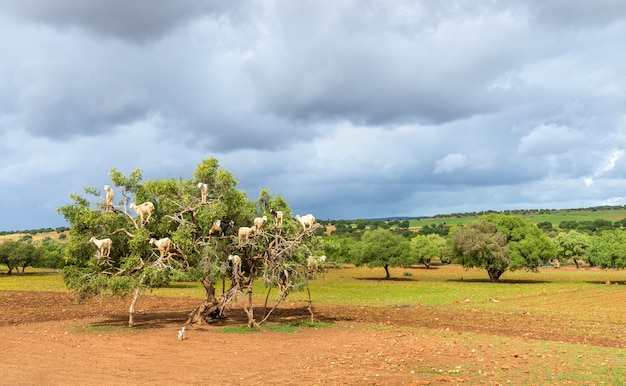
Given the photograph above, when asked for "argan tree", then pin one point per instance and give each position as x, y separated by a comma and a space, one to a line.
276, 255
383, 248
498, 243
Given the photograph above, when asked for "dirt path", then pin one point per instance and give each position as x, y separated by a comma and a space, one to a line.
46, 338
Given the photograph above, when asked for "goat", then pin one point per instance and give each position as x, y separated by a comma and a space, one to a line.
283, 279
245, 233
236, 260
259, 222
143, 209
104, 246
278, 217
315, 262
204, 191
163, 245
221, 226
110, 195
307, 220
181, 333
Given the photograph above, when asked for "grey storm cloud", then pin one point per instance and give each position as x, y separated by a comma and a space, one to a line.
346, 108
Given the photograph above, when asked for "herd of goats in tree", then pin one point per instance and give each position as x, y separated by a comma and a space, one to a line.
274, 257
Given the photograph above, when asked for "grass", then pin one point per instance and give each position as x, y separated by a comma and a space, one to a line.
575, 296
555, 218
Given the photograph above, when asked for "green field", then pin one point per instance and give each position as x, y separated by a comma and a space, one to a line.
553, 217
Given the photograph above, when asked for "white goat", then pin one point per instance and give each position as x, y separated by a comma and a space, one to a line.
278, 217
104, 246
144, 209
315, 262
307, 220
181, 333
236, 261
259, 222
245, 233
110, 196
204, 191
163, 244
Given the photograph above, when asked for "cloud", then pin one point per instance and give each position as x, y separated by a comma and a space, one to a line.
347, 109
450, 163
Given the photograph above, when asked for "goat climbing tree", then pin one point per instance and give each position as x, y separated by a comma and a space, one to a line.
175, 243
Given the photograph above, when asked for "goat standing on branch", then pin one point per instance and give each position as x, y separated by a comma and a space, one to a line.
142, 210
110, 196
307, 221
163, 245
236, 261
221, 226
278, 217
204, 191
258, 223
244, 234
104, 247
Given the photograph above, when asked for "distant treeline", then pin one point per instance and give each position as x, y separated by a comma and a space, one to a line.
525, 212
36, 231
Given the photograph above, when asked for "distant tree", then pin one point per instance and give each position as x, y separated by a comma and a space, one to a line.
427, 248
545, 226
568, 224
18, 254
382, 248
572, 246
607, 249
498, 243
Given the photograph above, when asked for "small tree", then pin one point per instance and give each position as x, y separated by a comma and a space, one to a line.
572, 245
426, 248
383, 248
499, 243
607, 249
19, 254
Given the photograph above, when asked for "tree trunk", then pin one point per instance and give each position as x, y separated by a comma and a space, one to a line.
131, 309
388, 276
494, 274
576, 262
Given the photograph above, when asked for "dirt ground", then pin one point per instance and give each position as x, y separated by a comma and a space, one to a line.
47, 338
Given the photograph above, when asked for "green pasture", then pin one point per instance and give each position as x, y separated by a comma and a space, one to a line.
439, 286
575, 296
555, 217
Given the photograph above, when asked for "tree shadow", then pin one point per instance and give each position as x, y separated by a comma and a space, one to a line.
502, 281
383, 279
233, 317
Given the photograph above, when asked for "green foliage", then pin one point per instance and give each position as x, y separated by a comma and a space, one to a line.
382, 248
571, 246
607, 249
499, 243
429, 247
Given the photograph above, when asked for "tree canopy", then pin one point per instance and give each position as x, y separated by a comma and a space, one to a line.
499, 243
383, 248
176, 242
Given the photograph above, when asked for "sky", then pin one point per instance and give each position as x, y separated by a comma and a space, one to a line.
347, 109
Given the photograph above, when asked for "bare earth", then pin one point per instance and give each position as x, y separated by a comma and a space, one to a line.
47, 338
